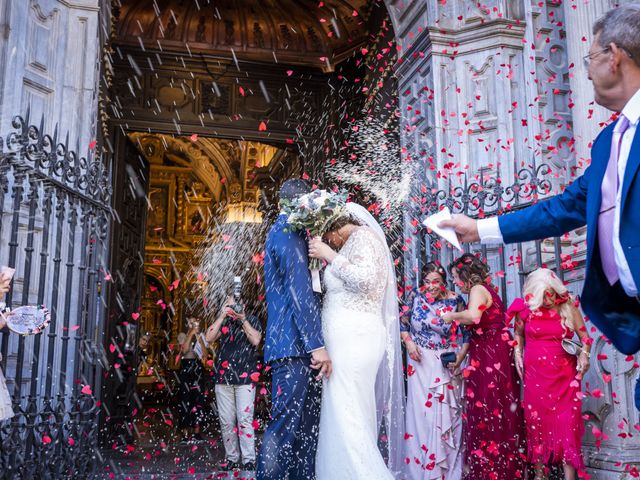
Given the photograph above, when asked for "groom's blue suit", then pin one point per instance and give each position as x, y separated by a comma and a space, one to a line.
294, 329
616, 314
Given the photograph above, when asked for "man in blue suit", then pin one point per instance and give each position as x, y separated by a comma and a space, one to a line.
606, 197
294, 348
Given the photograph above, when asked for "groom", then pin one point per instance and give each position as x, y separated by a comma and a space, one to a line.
294, 348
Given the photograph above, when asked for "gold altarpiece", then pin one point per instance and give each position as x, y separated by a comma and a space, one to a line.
195, 184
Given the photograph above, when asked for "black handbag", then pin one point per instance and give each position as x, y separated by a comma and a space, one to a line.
447, 358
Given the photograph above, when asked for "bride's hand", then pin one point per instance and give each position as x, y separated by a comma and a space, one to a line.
319, 249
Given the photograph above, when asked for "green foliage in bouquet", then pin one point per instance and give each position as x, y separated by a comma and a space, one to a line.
313, 213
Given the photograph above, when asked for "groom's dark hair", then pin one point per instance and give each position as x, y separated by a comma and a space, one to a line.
294, 188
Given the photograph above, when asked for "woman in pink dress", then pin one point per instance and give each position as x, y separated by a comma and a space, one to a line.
552, 404
493, 423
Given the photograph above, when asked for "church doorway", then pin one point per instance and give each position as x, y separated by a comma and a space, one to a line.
213, 105
207, 202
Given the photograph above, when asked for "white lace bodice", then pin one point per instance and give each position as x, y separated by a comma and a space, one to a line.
357, 277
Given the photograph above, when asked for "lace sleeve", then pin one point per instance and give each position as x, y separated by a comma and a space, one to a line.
363, 269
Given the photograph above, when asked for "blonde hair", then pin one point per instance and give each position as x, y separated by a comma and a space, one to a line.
537, 283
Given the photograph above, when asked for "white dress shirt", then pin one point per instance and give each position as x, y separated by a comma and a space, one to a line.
489, 228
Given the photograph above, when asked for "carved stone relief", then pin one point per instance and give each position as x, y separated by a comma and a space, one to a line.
215, 99
126, 92
201, 30
552, 71
287, 37
39, 99
482, 130
172, 94
229, 32
250, 27
235, 193
42, 39
258, 35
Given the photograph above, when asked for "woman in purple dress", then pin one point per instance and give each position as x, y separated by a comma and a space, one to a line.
493, 419
434, 408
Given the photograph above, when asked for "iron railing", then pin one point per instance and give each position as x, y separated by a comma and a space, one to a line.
54, 225
488, 194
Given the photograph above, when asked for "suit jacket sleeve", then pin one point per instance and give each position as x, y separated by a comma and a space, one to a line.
548, 218
294, 263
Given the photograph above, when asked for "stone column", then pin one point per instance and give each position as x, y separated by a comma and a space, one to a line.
464, 93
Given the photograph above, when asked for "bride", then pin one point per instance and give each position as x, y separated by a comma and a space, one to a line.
362, 418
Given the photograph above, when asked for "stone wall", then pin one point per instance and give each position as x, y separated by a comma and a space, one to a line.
49, 62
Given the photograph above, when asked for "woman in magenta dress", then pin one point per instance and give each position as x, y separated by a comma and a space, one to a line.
552, 404
493, 420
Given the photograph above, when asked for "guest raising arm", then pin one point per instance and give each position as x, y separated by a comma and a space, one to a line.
493, 440
479, 301
254, 336
235, 375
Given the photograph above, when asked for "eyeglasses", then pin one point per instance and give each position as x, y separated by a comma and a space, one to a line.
590, 56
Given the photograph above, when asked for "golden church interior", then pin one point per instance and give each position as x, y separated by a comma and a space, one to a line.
198, 189
219, 101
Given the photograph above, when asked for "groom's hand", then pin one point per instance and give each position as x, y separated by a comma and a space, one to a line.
320, 361
466, 228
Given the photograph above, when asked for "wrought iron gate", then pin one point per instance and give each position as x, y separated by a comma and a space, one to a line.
488, 194
54, 229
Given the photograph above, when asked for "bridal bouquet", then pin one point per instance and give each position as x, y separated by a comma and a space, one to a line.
313, 213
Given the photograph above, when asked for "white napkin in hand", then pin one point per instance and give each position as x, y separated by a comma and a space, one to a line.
448, 234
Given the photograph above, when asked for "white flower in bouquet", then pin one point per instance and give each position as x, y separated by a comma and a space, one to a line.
319, 199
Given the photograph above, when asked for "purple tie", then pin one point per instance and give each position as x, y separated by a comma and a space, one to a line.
608, 205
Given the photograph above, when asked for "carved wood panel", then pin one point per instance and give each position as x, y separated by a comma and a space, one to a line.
212, 97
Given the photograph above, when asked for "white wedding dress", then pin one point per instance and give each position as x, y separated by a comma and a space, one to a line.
356, 339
